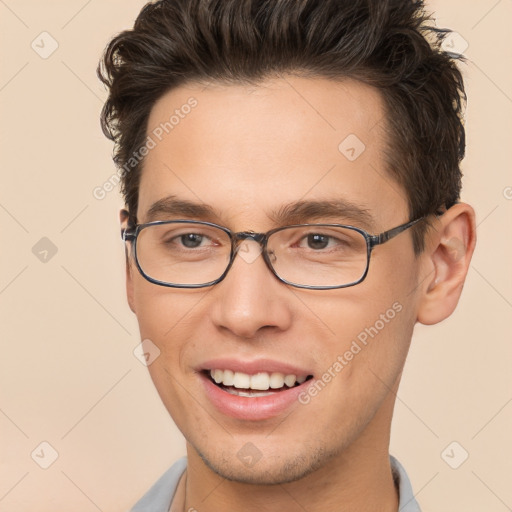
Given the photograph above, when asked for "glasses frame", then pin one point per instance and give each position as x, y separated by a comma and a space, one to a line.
262, 239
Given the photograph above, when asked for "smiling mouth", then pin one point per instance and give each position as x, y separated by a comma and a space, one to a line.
259, 384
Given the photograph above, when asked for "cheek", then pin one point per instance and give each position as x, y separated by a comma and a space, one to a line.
367, 328
360, 363
170, 319
161, 311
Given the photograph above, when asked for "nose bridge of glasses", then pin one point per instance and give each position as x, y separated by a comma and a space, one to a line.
249, 252
250, 235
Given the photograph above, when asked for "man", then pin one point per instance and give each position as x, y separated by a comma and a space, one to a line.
291, 177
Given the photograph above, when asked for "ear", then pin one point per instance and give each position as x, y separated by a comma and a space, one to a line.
124, 217
449, 248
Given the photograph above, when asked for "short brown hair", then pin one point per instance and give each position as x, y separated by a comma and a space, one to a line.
388, 44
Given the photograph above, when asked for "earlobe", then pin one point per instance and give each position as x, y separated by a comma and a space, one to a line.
450, 248
124, 217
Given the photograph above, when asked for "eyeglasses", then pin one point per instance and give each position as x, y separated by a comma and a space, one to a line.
197, 254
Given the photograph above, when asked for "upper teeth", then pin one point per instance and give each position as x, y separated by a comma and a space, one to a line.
261, 381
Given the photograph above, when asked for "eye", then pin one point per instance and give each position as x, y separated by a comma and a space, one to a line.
319, 241
177, 240
191, 240
316, 241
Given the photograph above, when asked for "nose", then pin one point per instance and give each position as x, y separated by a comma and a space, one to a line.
250, 298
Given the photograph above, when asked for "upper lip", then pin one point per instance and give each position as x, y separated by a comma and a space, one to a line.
252, 367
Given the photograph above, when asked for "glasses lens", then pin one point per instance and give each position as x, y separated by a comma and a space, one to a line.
318, 255
183, 253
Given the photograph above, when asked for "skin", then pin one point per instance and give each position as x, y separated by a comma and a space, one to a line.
246, 151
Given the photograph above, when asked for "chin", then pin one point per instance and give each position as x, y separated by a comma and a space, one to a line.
280, 469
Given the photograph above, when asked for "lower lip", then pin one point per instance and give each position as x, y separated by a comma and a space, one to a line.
252, 408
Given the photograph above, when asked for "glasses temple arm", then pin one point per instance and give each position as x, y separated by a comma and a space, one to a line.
388, 235
127, 235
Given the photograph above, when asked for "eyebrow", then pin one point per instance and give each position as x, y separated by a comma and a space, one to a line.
173, 207
298, 212
336, 210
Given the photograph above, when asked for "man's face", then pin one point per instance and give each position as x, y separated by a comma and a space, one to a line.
247, 153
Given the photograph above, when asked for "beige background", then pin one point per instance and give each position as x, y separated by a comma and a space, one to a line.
68, 375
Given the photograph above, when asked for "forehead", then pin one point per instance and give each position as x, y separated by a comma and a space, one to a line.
249, 150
